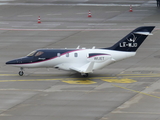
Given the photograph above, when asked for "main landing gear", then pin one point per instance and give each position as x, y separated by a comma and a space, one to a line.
21, 72
84, 74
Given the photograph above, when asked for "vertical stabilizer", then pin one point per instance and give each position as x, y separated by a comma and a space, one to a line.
132, 41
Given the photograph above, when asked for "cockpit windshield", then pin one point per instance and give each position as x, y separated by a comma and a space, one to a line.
38, 53
31, 54
35, 53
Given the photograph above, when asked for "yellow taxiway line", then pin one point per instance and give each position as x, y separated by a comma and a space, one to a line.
121, 78
136, 91
72, 81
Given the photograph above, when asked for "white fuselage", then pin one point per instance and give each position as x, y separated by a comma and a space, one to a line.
80, 57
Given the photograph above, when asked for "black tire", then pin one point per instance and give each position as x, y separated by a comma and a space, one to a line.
85, 75
21, 73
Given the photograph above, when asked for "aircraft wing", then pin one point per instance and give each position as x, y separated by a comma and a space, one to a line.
87, 68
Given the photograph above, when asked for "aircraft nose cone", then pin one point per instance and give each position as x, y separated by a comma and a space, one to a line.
13, 62
9, 62
19, 61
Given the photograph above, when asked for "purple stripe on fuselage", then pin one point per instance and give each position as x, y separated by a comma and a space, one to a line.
96, 54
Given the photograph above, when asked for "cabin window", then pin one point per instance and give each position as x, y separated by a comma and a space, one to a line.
67, 54
75, 54
58, 54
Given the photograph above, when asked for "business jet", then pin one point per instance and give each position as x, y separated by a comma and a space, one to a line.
83, 60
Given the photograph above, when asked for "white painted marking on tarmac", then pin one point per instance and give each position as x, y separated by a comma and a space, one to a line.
5, 114
79, 4
5, 0
4, 23
129, 26
24, 26
102, 24
141, 10
3, 3
24, 15
12, 29
55, 14
104, 5
82, 13
83, 0
148, 23
77, 26
153, 1
111, 11
49, 24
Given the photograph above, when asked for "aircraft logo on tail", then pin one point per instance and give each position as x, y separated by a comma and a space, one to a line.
133, 39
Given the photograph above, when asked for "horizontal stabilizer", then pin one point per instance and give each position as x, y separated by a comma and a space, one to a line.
143, 33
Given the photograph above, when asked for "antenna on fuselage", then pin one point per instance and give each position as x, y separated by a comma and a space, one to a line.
78, 47
93, 47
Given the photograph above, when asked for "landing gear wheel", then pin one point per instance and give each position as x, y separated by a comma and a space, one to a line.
85, 75
21, 73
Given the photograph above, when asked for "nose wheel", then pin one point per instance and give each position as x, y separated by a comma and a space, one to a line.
21, 72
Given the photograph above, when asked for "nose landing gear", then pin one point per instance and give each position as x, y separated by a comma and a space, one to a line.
21, 72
